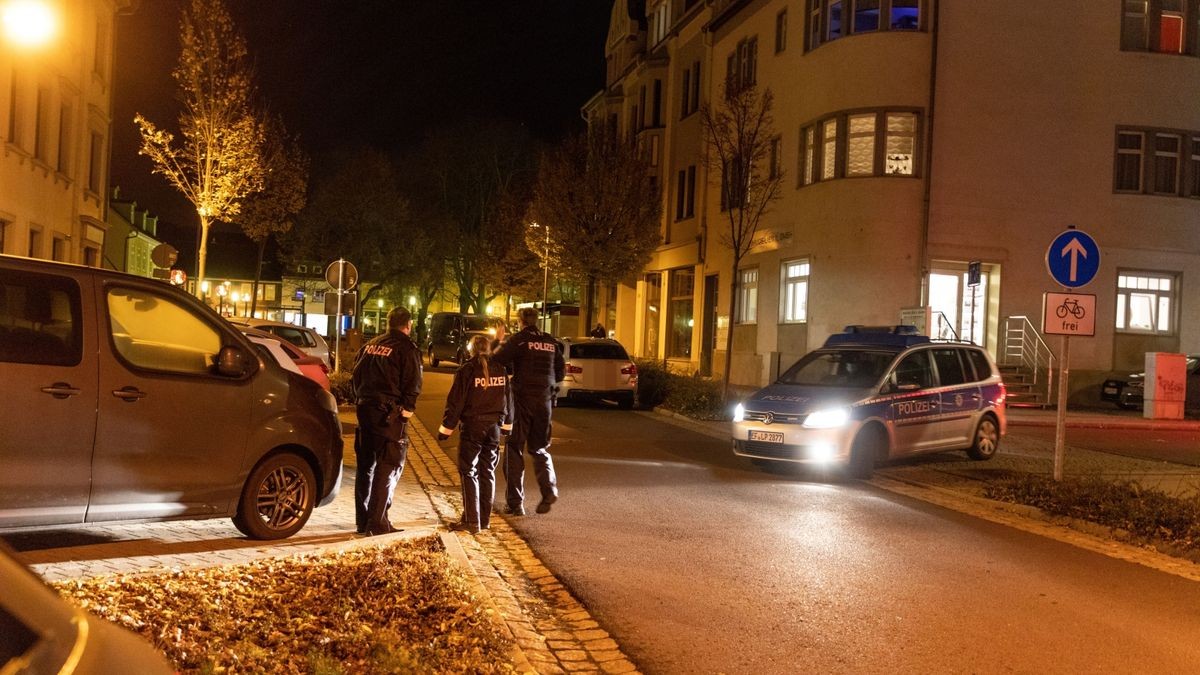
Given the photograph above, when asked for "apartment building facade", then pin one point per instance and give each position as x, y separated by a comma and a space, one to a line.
56, 120
916, 137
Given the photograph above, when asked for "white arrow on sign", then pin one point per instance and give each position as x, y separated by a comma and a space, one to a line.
1075, 249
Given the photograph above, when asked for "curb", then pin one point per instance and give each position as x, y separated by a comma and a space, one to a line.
698, 426
1115, 423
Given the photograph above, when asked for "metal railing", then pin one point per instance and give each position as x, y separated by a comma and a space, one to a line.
1025, 348
942, 327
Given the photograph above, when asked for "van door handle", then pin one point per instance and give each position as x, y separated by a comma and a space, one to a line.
129, 394
61, 390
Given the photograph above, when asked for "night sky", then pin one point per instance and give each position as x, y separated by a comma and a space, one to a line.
344, 73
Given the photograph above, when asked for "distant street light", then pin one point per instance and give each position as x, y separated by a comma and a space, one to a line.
28, 23
222, 291
234, 297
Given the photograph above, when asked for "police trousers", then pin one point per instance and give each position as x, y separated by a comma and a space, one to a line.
531, 430
478, 454
380, 450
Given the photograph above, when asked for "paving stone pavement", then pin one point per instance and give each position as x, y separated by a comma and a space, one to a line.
554, 633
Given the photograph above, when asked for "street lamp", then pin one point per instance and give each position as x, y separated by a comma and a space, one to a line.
234, 298
222, 291
28, 23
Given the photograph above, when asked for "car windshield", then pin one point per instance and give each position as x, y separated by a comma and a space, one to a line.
841, 368
479, 322
598, 351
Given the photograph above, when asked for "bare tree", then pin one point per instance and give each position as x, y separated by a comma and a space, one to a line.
218, 161
273, 209
739, 135
595, 195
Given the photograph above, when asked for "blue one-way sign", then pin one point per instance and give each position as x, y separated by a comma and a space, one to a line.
1073, 259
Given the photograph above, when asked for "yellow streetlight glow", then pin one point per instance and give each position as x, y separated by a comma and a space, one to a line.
28, 22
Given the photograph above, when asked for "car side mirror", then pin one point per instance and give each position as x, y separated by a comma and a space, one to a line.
232, 361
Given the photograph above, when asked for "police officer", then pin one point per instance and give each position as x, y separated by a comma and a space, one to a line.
535, 360
479, 401
386, 381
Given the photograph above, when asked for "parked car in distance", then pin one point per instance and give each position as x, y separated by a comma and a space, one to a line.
450, 335
289, 356
1129, 392
875, 393
307, 339
43, 633
598, 369
129, 399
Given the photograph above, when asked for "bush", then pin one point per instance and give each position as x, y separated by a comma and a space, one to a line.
1145, 513
696, 397
339, 385
654, 383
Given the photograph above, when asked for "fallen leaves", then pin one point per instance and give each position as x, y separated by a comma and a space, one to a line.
400, 608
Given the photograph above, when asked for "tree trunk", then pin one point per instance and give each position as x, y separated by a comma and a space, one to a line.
733, 293
202, 255
591, 303
262, 247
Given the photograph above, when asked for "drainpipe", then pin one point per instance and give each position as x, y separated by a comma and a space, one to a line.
923, 252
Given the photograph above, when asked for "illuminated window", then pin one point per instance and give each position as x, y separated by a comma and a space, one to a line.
794, 291
808, 154
900, 144
860, 145
1164, 26
1145, 302
906, 14
682, 289
747, 310
829, 148
652, 316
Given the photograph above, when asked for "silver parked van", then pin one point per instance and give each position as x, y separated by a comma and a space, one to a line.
127, 398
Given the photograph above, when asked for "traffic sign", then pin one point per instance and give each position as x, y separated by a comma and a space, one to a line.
342, 275
164, 255
974, 272
1073, 258
1069, 314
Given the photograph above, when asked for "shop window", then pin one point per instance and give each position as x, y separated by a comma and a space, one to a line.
652, 315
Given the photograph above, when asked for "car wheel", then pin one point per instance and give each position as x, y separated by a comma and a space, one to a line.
278, 498
867, 449
987, 439
433, 360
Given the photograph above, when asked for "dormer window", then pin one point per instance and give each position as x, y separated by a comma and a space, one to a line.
660, 22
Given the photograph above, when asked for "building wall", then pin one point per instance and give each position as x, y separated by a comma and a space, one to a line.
56, 133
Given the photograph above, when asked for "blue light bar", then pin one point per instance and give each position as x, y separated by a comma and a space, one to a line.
877, 336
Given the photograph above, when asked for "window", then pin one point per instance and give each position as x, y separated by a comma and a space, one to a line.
682, 288
685, 109
1194, 168
900, 143
860, 145
40, 124
691, 192
656, 103
829, 20
1166, 163
58, 249
913, 372
1128, 165
156, 333
983, 369
660, 22
680, 189
1145, 302
949, 366
795, 291
91, 256
1164, 26
741, 67
814, 23
781, 31
101, 52
747, 310
685, 193
775, 159
835, 20
906, 14
866, 16
14, 109
64, 139
95, 162
829, 148
695, 86
35, 243
41, 316
733, 184
652, 316
808, 154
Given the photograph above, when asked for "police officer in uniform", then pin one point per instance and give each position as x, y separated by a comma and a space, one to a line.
386, 381
535, 360
479, 401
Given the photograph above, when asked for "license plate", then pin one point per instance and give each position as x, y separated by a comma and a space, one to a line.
767, 436
1110, 390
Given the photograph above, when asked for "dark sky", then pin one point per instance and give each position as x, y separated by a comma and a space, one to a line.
345, 73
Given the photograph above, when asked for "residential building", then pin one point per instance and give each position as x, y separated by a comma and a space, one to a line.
131, 237
916, 137
56, 122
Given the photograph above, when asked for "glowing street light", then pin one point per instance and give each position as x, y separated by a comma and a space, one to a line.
28, 23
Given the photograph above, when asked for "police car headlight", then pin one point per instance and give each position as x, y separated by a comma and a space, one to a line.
828, 419
739, 413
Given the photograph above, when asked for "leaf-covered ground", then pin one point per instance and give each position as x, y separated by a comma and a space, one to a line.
401, 608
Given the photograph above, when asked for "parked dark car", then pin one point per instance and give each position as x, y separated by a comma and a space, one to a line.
1128, 392
127, 398
450, 335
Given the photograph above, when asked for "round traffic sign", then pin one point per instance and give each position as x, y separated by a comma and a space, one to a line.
164, 255
342, 274
1073, 258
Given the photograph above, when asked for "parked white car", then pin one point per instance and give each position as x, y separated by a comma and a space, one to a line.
598, 369
307, 339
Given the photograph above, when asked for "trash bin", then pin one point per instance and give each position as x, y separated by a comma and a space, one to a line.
1165, 386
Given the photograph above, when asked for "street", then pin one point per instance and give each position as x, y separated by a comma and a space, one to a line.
696, 562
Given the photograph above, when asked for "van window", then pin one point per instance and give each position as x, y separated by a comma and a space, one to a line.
913, 369
153, 332
950, 367
849, 368
983, 369
39, 319
598, 351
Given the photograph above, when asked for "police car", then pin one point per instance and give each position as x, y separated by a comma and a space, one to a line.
875, 393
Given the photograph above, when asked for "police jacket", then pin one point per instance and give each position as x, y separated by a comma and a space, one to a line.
534, 358
478, 394
387, 372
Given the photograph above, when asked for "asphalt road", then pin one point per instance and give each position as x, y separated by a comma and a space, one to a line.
1181, 447
698, 562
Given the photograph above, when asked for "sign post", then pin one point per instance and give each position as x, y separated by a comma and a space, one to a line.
342, 275
974, 269
1072, 260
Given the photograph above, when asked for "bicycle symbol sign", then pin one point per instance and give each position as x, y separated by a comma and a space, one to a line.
1069, 314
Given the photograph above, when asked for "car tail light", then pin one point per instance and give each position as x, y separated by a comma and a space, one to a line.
630, 370
573, 369
324, 368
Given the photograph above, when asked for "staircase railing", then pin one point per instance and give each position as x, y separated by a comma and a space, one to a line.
1025, 348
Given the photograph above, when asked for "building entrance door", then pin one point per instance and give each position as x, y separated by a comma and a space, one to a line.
960, 311
708, 338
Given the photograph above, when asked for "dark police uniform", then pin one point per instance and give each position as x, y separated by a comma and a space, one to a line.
536, 362
387, 381
479, 401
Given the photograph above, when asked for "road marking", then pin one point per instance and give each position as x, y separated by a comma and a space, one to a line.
627, 462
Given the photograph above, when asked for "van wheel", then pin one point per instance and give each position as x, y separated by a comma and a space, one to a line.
868, 447
433, 360
277, 499
987, 439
